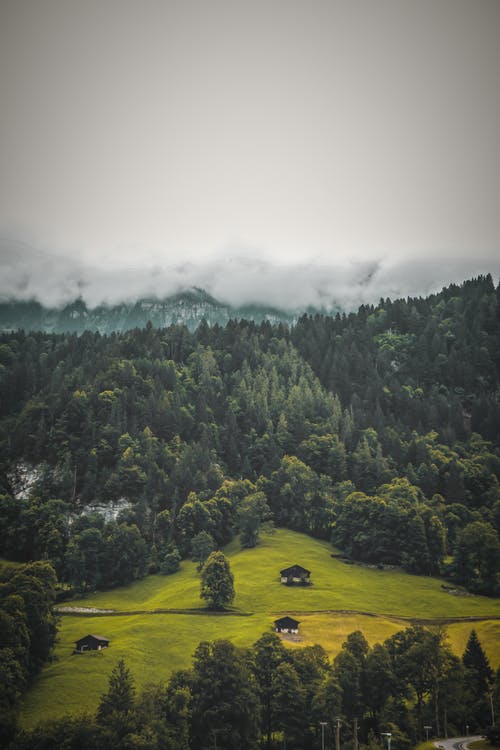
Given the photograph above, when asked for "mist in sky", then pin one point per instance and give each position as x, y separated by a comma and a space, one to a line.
235, 278
280, 151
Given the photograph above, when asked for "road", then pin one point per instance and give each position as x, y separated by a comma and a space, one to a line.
457, 743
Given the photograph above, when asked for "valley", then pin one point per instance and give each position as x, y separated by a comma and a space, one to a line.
341, 599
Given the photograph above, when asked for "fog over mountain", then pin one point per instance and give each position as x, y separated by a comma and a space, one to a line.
242, 278
291, 154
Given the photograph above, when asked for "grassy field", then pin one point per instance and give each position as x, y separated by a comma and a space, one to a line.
153, 646
342, 598
336, 586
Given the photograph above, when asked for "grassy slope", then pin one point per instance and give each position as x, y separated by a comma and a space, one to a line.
337, 586
154, 645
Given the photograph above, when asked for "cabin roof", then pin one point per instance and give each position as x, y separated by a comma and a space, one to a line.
96, 637
286, 622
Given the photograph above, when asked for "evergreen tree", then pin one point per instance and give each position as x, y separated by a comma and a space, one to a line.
120, 696
477, 665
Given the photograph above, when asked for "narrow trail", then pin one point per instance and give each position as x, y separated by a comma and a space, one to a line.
98, 612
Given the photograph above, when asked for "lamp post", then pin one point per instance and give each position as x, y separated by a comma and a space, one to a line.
490, 695
466, 730
323, 725
389, 736
337, 735
427, 727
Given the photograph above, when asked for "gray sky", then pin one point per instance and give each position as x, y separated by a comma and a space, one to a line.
145, 144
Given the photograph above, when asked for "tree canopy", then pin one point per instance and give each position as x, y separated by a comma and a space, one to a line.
217, 583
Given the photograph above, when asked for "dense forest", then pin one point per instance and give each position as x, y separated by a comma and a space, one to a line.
378, 430
27, 633
272, 696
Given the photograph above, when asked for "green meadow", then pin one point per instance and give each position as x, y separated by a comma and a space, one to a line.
336, 585
341, 599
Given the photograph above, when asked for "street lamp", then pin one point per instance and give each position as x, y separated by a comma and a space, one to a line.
388, 735
323, 725
490, 695
337, 735
427, 727
466, 730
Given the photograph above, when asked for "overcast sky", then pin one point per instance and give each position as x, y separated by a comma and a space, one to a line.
247, 145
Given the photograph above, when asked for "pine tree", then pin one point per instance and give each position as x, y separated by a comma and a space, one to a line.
477, 665
120, 696
478, 683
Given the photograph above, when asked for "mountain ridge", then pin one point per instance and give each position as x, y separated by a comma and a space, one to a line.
187, 307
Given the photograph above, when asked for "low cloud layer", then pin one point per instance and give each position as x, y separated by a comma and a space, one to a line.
27, 272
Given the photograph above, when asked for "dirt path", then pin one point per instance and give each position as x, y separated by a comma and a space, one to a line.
97, 612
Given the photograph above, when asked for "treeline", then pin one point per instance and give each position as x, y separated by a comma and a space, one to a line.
378, 430
27, 632
271, 696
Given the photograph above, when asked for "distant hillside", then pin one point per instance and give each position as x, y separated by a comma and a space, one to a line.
187, 308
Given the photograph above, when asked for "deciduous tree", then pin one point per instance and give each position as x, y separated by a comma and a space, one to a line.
217, 582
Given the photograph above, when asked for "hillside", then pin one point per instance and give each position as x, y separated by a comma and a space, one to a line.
343, 598
337, 586
374, 434
332, 421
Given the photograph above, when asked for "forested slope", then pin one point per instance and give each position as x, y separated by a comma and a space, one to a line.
379, 430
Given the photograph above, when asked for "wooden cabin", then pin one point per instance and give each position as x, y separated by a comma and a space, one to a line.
286, 625
295, 574
91, 643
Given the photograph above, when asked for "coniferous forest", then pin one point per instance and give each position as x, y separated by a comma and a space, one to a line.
122, 454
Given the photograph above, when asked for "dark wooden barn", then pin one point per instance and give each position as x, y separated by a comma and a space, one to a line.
295, 574
286, 625
92, 643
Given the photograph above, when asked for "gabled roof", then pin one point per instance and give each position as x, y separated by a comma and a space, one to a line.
100, 638
286, 622
297, 570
